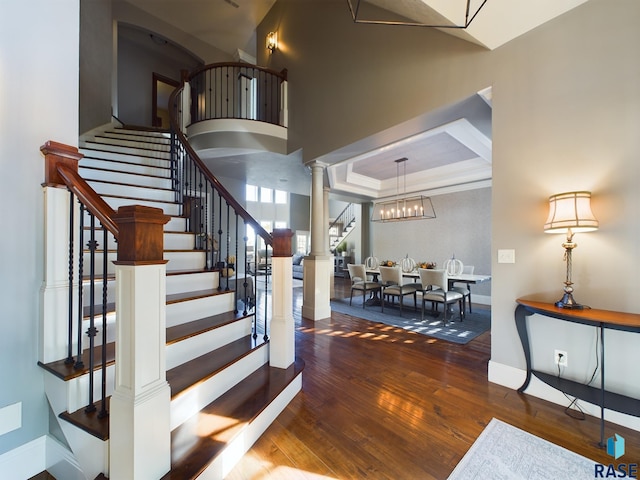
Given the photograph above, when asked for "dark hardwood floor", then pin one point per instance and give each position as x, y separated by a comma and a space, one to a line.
382, 403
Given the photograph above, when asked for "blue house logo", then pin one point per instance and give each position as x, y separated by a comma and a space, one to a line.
615, 446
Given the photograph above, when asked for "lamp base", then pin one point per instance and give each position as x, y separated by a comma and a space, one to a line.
568, 302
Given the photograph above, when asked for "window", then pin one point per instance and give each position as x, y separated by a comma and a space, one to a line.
251, 193
301, 244
280, 225
266, 195
281, 197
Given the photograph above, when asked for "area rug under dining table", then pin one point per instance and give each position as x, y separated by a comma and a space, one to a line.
455, 331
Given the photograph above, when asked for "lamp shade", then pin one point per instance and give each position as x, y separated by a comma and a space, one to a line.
571, 210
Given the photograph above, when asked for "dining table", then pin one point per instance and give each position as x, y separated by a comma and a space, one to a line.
467, 278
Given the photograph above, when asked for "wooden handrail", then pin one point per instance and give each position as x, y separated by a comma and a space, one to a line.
89, 198
61, 170
224, 193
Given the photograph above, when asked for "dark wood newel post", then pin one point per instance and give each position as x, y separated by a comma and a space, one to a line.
282, 242
141, 230
58, 154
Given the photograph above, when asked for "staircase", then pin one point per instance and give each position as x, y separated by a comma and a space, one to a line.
217, 354
342, 226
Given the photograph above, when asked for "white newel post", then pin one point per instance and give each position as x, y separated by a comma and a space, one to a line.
55, 287
282, 349
140, 436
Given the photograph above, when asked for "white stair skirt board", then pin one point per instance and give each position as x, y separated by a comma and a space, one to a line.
182, 312
241, 444
194, 399
196, 346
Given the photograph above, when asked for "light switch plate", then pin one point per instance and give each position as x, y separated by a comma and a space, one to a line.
507, 256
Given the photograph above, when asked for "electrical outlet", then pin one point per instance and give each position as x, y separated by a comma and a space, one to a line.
560, 358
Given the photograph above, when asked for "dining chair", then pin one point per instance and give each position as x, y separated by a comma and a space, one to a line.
393, 286
435, 288
464, 288
359, 282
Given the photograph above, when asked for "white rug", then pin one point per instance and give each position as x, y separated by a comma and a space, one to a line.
504, 452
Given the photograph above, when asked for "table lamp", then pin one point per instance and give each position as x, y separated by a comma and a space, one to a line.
570, 213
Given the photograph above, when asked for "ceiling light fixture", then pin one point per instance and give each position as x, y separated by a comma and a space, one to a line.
470, 14
403, 207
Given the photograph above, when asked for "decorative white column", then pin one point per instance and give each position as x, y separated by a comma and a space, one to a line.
140, 435
282, 348
318, 266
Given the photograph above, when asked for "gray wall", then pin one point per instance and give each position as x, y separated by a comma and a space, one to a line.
38, 46
96, 63
566, 111
300, 206
138, 58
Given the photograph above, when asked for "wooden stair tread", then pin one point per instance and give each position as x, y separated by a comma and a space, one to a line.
191, 373
122, 184
139, 174
113, 160
94, 147
190, 329
185, 296
90, 422
67, 371
234, 409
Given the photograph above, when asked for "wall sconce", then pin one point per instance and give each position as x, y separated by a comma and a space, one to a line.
571, 213
272, 41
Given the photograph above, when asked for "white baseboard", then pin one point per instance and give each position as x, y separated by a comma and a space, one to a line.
43, 453
513, 378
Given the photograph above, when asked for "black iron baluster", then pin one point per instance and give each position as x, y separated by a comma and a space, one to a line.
105, 239
79, 363
235, 266
228, 250
91, 331
267, 273
69, 359
255, 269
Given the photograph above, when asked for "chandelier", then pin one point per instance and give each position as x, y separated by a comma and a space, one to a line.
470, 12
403, 206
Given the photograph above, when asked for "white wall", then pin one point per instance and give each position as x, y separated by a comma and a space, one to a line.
38, 102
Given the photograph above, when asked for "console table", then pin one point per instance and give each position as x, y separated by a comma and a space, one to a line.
602, 319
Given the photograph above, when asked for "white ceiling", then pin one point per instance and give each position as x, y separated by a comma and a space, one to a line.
447, 151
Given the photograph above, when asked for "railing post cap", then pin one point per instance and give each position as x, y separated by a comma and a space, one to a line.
141, 235
282, 242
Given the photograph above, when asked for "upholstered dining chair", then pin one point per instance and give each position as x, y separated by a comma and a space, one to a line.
392, 286
435, 288
359, 282
464, 288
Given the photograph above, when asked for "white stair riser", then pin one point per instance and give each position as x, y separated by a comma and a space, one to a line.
132, 136
188, 260
167, 208
126, 163
132, 144
158, 155
191, 282
172, 241
175, 224
196, 346
111, 329
125, 177
182, 312
133, 191
193, 400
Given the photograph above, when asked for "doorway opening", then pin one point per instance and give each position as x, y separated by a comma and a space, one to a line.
161, 90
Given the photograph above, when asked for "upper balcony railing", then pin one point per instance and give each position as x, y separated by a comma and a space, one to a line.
238, 91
